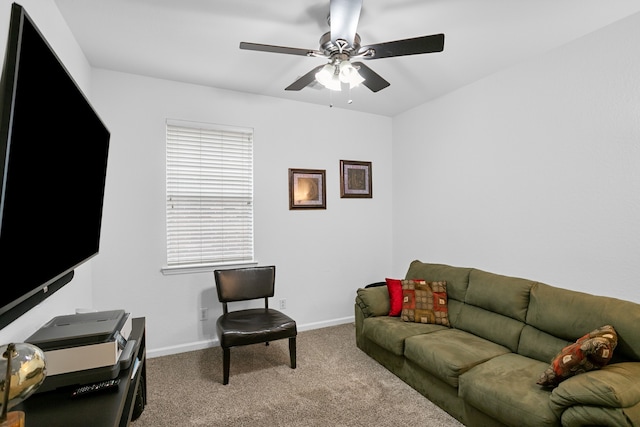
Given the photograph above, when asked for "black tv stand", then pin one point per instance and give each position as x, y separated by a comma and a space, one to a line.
108, 409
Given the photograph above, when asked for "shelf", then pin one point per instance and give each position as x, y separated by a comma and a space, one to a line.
106, 409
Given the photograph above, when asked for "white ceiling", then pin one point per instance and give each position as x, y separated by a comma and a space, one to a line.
196, 41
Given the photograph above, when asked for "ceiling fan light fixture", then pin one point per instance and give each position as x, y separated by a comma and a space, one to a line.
328, 77
349, 74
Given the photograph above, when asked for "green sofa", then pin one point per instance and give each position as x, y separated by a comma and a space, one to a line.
504, 333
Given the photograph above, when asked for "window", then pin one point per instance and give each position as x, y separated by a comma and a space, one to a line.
209, 195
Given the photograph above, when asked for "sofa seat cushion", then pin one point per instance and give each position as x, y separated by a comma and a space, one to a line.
505, 389
449, 353
391, 332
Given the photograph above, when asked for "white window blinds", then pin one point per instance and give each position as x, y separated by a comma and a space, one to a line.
209, 194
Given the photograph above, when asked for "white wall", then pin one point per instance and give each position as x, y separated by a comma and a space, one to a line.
77, 293
531, 172
321, 256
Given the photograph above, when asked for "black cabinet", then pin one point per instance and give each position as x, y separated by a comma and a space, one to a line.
106, 409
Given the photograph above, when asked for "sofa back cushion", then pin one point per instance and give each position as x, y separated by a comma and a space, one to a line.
494, 327
495, 307
570, 314
504, 295
539, 345
457, 278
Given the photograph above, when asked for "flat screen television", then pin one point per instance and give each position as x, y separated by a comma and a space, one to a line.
53, 154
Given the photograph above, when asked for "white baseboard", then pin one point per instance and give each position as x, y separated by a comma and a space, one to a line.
325, 323
200, 345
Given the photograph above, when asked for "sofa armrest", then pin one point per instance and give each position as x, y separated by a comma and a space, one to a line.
581, 416
614, 386
373, 301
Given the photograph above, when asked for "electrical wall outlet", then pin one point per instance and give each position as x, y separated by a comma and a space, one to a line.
283, 304
204, 313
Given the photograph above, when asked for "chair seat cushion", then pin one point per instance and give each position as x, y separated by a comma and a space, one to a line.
254, 326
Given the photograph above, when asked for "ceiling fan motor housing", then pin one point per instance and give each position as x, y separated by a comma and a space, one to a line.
329, 48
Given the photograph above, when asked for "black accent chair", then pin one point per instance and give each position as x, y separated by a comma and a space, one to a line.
254, 325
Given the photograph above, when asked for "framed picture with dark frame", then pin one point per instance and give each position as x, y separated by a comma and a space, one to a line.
307, 189
355, 179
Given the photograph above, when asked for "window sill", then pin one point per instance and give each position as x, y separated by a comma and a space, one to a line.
203, 268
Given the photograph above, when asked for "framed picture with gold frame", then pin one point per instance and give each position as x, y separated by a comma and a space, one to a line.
307, 189
355, 179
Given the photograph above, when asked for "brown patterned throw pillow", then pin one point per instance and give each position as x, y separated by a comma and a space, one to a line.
592, 351
425, 302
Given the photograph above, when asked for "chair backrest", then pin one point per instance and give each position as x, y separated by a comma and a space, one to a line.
241, 284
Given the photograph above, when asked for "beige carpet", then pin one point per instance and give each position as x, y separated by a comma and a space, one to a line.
335, 384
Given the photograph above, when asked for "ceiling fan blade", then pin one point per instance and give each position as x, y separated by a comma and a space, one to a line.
414, 46
279, 49
372, 80
305, 80
343, 18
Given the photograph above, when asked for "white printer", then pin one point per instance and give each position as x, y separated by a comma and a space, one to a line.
84, 348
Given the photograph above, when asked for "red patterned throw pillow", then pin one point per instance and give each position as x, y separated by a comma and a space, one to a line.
425, 302
394, 286
591, 351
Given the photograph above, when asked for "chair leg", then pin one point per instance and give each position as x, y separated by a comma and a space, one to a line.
226, 361
292, 352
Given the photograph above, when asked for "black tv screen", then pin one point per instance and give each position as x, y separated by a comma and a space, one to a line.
53, 149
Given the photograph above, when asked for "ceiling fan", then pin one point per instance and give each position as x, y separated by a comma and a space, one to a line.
341, 45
